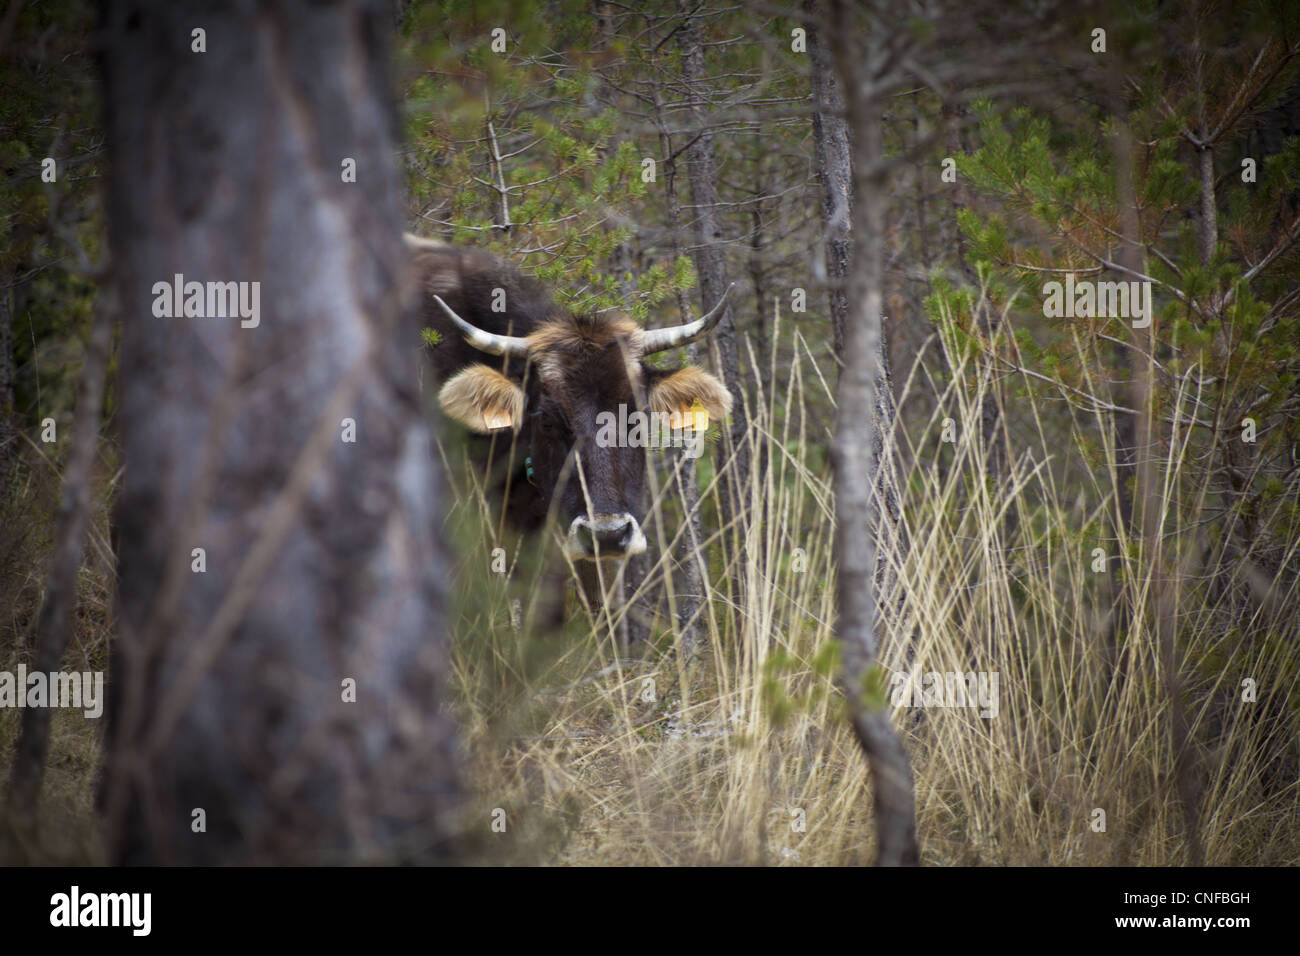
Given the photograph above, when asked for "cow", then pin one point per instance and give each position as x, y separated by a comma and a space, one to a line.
510, 362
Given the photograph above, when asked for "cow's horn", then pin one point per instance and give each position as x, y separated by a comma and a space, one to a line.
656, 340
488, 342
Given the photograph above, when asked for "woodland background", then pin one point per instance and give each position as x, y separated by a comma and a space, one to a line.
1074, 504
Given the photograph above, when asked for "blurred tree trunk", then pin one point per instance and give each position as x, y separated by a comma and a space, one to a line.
764, 350
684, 585
636, 600
8, 433
834, 169
853, 454
710, 263
758, 269
637, 597
991, 427
282, 701
55, 622
1150, 502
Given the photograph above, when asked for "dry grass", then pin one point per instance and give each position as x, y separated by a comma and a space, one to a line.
742, 756
66, 831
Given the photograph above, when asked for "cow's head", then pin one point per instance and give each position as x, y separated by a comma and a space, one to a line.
581, 373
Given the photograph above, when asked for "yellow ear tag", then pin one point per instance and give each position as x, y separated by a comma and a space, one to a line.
694, 416
494, 419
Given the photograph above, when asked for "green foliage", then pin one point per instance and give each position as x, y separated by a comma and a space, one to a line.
49, 109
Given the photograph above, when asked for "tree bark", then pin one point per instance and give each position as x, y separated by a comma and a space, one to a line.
684, 585
853, 456
1207, 231
232, 686
1151, 505
710, 264
8, 433
835, 170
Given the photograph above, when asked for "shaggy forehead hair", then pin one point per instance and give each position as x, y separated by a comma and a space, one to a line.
576, 336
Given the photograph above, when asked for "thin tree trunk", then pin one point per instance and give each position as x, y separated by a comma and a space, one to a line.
686, 582
54, 625
765, 325
991, 429
282, 703
758, 276
855, 465
957, 194
635, 622
710, 264
1207, 226
1124, 427
1151, 505
835, 170
8, 432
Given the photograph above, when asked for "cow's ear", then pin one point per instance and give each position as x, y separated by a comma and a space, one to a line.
684, 393
483, 400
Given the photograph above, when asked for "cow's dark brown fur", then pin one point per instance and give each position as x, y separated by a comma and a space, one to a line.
577, 367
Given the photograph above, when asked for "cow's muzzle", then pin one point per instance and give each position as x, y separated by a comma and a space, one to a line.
604, 536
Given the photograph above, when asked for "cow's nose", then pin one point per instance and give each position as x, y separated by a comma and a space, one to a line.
605, 536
